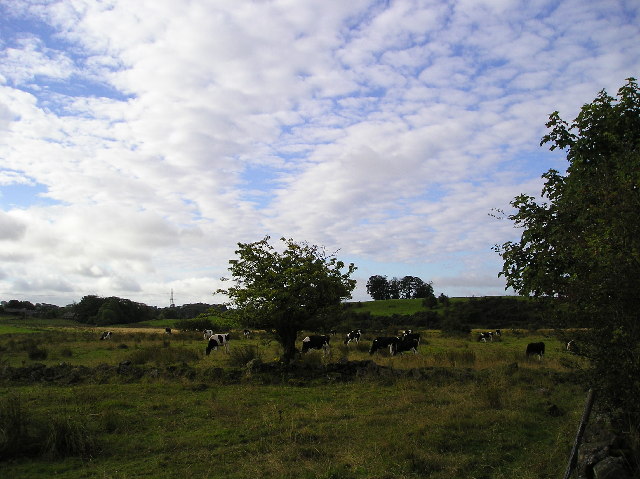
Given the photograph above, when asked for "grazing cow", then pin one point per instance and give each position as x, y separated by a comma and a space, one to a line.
316, 342
535, 348
353, 336
498, 332
409, 335
484, 337
216, 340
167, 330
404, 345
572, 347
105, 335
207, 333
382, 342
246, 333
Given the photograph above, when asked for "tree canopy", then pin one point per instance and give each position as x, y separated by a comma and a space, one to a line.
408, 287
581, 243
288, 291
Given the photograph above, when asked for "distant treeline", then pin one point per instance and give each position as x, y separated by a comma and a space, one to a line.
491, 312
100, 311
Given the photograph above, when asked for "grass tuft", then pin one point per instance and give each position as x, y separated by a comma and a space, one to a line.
161, 355
24, 434
242, 355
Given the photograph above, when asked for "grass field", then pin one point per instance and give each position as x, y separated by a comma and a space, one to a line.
389, 307
459, 409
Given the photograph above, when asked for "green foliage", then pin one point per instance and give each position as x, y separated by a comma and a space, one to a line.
408, 287
583, 244
455, 325
287, 291
222, 322
197, 324
112, 310
378, 287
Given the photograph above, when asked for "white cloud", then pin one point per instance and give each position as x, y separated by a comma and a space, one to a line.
164, 134
11, 228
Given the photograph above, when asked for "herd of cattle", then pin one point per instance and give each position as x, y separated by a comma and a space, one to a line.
406, 341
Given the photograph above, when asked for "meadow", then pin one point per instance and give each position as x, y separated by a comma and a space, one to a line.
146, 404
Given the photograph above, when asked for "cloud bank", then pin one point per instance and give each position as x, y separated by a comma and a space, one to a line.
140, 141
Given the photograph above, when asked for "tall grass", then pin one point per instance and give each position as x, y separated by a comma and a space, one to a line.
22, 433
163, 355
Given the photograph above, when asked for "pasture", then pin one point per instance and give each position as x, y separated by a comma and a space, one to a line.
146, 404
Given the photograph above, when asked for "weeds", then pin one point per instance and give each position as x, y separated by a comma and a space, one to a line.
38, 354
456, 358
163, 355
240, 356
24, 434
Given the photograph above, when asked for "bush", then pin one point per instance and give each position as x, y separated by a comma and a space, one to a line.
455, 326
198, 324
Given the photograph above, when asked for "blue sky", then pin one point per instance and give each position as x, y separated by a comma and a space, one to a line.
141, 141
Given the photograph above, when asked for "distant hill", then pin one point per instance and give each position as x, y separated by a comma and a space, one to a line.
389, 307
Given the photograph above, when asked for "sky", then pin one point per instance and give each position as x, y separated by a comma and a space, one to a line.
141, 141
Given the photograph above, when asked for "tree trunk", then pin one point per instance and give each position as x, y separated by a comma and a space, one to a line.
288, 342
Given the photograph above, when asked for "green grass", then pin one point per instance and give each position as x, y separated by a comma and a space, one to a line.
469, 413
389, 307
401, 429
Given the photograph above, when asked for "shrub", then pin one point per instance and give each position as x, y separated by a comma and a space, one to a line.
454, 325
197, 324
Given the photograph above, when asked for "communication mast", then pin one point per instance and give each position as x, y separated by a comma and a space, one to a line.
172, 304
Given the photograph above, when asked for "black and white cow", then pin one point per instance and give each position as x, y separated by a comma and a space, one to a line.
405, 344
207, 333
167, 330
484, 337
353, 336
246, 333
316, 342
409, 335
572, 346
105, 335
382, 342
535, 349
218, 339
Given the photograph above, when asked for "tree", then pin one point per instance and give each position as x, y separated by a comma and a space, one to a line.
582, 245
394, 288
378, 287
296, 289
112, 310
444, 300
424, 290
